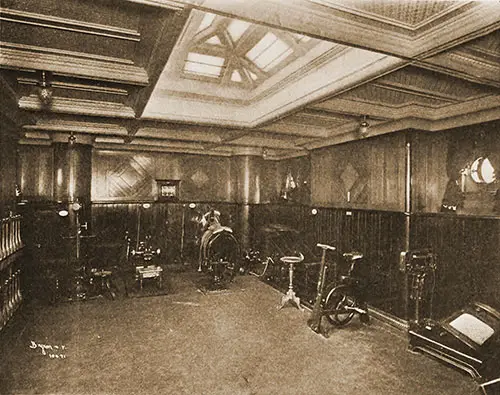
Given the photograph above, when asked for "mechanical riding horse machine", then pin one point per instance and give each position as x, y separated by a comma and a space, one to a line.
219, 250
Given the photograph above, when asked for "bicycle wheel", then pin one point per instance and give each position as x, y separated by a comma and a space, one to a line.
337, 301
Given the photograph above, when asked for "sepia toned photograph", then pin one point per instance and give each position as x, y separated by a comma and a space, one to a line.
249, 197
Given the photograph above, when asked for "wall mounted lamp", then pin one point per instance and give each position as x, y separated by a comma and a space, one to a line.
363, 127
45, 88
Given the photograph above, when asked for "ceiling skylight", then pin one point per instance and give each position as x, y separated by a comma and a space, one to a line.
206, 65
236, 76
214, 40
268, 52
206, 22
236, 29
232, 52
301, 38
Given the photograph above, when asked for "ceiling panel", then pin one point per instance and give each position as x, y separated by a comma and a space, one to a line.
225, 78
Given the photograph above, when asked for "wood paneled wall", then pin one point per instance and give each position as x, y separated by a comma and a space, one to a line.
367, 174
36, 172
372, 221
429, 171
441, 163
377, 234
131, 176
8, 161
127, 176
170, 226
468, 258
10, 118
300, 169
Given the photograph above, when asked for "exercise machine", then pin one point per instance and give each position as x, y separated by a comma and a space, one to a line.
468, 339
345, 297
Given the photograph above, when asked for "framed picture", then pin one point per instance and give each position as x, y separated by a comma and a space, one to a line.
168, 190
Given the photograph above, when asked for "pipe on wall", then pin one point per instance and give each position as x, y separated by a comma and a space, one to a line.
407, 212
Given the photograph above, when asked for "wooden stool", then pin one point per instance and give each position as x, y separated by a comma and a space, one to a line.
290, 295
149, 272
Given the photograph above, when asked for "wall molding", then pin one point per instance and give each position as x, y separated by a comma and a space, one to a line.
72, 25
71, 63
77, 87
78, 106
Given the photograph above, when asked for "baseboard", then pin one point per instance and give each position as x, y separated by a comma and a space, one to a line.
400, 325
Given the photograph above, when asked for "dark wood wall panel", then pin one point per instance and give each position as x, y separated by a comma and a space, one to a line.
8, 147
429, 171
169, 224
300, 170
205, 178
441, 171
378, 234
468, 261
367, 174
269, 182
126, 176
36, 172
122, 176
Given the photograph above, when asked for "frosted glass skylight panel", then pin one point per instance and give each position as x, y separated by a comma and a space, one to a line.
210, 66
261, 46
301, 38
206, 21
214, 40
278, 59
236, 29
236, 76
268, 52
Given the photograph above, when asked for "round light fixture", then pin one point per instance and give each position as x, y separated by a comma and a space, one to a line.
482, 171
363, 127
63, 213
45, 89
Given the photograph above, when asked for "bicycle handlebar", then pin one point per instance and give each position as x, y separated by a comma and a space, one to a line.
326, 247
353, 255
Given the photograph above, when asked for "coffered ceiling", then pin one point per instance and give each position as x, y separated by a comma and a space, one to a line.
226, 77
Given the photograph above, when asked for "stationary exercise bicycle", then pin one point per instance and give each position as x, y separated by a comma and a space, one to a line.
344, 298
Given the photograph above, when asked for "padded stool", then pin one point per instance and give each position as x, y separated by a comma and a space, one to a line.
290, 295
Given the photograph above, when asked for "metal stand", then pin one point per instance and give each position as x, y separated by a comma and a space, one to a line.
290, 295
317, 314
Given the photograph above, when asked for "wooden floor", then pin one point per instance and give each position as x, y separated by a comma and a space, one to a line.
190, 342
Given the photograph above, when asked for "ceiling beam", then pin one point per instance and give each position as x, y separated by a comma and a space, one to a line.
368, 32
71, 63
171, 27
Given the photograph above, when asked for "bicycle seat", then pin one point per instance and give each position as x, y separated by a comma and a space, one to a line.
350, 279
292, 259
326, 247
353, 255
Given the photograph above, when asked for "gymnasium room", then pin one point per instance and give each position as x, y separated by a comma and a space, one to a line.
229, 197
